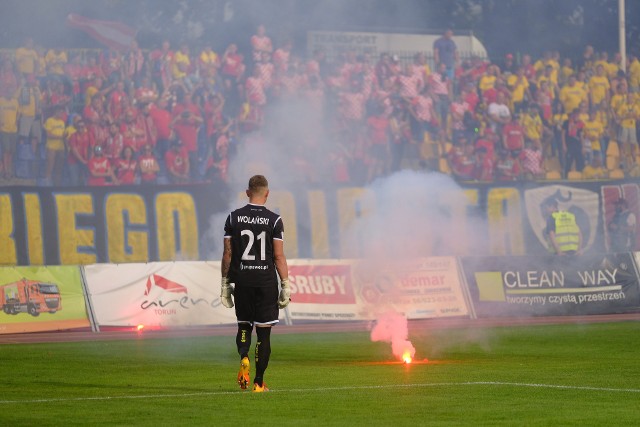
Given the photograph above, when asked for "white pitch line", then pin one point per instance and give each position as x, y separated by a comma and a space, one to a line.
323, 389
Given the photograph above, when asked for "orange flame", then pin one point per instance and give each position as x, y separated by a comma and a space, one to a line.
140, 328
406, 357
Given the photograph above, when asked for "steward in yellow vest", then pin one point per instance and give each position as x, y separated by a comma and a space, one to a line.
562, 232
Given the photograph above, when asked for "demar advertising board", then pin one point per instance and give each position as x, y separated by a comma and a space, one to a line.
552, 285
363, 289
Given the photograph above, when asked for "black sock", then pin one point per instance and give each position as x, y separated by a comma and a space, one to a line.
263, 352
243, 339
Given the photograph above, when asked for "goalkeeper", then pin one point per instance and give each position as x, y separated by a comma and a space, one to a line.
253, 253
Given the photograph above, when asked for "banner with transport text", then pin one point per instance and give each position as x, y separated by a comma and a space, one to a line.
162, 294
35, 299
552, 285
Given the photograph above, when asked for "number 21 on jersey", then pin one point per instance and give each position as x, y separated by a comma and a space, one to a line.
246, 256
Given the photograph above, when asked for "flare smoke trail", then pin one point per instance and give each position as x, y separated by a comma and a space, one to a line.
392, 327
408, 215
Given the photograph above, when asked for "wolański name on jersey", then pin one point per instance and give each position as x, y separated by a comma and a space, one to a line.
253, 220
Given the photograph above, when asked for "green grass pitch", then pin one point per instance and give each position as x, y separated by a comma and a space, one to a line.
586, 374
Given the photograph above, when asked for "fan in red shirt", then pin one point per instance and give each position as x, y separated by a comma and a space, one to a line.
118, 101
149, 165
463, 160
507, 168
218, 164
213, 117
378, 132
186, 121
232, 63
256, 96
161, 118
133, 130
94, 112
513, 135
161, 60
177, 161
126, 167
260, 43
81, 143
484, 165
488, 142
114, 144
470, 96
281, 57
150, 130
100, 172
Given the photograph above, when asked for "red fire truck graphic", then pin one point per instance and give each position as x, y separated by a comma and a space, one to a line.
30, 296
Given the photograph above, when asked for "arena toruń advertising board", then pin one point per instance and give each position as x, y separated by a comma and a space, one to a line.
552, 285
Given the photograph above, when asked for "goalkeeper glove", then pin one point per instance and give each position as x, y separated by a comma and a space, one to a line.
226, 291
285, 294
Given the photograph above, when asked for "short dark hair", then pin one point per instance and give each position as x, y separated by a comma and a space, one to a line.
257, 183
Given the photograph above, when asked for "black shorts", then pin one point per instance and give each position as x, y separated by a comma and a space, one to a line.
257, 305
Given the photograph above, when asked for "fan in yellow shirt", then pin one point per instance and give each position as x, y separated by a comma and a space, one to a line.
599, 86
55, 127
627, 115
628, 112
571, 95
634, 74
593, 130
557, 121
532, 124
181, 63
548, 77
56, 59
209, 58
620, 94
8, 131
488, 80
548, 60
519, 87
27, 58
595, 169
566, 71
613, 67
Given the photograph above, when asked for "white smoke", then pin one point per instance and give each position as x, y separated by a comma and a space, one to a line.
412, 214
392, 327
407, 216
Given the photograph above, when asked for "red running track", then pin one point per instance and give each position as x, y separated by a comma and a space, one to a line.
415, 326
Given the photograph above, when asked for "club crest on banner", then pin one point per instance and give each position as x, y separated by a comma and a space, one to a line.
580, 202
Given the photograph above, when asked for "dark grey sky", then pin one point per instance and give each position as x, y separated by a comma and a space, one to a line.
502, 25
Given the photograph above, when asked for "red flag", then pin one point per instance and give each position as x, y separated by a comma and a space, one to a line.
110, 33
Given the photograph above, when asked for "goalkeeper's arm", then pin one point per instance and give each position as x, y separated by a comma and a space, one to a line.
226, 290
283, 271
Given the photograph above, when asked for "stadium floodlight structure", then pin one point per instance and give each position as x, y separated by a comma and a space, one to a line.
621, 34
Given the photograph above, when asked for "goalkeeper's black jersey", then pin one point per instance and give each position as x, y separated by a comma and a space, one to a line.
252, 230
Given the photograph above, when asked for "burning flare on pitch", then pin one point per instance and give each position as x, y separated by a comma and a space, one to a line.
392, 327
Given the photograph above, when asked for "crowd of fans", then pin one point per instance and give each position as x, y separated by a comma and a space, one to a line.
178, 115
